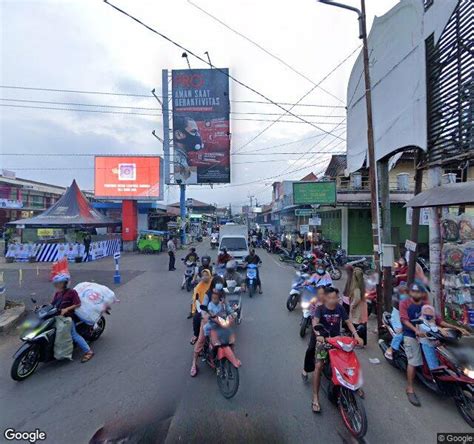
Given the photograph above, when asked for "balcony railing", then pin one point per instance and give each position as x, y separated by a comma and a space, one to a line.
347, 186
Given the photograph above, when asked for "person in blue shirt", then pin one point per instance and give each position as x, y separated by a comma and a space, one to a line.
321, 277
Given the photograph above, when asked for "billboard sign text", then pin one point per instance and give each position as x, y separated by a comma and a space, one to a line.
314, 193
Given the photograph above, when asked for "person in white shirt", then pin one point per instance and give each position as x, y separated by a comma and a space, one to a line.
171, 253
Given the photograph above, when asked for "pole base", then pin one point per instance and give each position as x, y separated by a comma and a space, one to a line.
116, 279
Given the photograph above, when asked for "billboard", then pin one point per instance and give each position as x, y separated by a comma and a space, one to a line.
201, 128
314, 193
128, 177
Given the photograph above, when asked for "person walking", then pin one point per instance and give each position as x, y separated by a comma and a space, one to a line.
171, 253
358, 313
87, 245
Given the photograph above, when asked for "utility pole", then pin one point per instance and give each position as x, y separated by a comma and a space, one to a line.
370, 148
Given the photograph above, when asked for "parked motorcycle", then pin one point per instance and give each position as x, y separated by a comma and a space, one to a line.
219, 355
38, 341
291, 256
296, 289
454, 377
234, 298
189, 275
307, 298
333, 270
340, 256
343, 371
364, 264
251, 279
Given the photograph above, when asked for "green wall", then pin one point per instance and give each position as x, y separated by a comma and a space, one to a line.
331, 226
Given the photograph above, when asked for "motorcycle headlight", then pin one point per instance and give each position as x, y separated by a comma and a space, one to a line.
469, 372
29, 336
305, 305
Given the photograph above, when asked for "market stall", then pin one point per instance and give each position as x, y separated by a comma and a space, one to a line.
455, 206
68, 229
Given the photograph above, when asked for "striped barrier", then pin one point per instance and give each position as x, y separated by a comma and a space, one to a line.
45, 252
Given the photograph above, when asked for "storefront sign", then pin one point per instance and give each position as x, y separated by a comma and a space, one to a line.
304, 229
424, 216
314, 193
410, 245
315, 221
11, 204
304, 212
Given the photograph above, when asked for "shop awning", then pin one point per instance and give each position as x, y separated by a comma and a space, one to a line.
446, 195
72, 210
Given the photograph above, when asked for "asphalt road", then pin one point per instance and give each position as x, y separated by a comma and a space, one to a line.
138, 384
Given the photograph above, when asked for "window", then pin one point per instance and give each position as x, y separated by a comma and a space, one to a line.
233, 244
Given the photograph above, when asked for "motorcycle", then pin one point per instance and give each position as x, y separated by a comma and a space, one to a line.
343, 371
234, 298
38, 340
371, 293
364, 264
307, 298
251, 279
219, 355
291, 256
340, 256
333, 270
189, 275
453, 378
214, 241
296, 289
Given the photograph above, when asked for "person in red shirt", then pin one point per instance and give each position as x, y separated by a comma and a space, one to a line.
66, 300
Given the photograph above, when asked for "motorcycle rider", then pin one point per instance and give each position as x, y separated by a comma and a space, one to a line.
410, 309
330, 316
191, 257
66, 300
231, 274
205, 265
223, 257
320, 277
253, 258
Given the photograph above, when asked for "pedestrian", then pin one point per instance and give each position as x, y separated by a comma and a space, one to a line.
171, 253
358, 313
87, 245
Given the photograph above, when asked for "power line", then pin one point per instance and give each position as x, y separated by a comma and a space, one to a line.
266, 51
100, 105
300, 100
148, 96
212, 66
51, 108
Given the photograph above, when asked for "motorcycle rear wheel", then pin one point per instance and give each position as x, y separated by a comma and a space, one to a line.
25, 364
251, 290
189, 285
291, 302
353, 413
335, 273
228, 378
96, 333
465, 405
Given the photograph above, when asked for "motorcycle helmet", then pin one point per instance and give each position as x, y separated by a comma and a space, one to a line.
205, 261
192, 250
231, 266
61, 277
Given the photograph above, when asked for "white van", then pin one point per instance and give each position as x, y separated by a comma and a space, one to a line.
233, 238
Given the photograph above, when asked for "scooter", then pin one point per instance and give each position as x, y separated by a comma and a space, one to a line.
219, 355
343, 371
189, 275
296, 289
234, 298
38, 340
251, 279
453, 378
214, 241
307, 298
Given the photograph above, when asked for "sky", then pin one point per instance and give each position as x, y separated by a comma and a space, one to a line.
85, 45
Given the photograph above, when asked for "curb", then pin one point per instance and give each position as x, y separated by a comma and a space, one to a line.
11, 317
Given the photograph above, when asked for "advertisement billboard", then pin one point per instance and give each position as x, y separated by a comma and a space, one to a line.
201, 127
128, 177
314, 193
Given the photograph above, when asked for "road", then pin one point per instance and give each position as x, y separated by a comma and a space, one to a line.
138, 384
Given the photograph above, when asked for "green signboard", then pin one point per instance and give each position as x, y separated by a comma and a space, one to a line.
314, 193
304, 212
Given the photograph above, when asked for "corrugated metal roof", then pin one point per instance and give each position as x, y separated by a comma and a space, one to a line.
446, 195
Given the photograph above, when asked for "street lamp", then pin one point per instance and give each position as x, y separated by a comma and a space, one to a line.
371, 147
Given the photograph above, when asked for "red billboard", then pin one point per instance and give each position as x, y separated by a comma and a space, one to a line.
201, 132
128, 177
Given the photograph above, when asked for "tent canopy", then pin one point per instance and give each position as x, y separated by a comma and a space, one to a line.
70, 211
444, 196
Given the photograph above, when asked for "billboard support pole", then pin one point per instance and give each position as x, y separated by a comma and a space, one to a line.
182, 211
166, 124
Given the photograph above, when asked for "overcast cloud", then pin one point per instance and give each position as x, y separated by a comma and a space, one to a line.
86, 45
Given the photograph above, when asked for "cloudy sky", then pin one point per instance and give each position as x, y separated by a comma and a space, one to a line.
85, 45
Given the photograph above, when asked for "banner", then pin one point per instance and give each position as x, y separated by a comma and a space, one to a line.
201, 128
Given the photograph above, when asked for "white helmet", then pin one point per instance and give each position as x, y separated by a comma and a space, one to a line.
61, 277
231, 265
